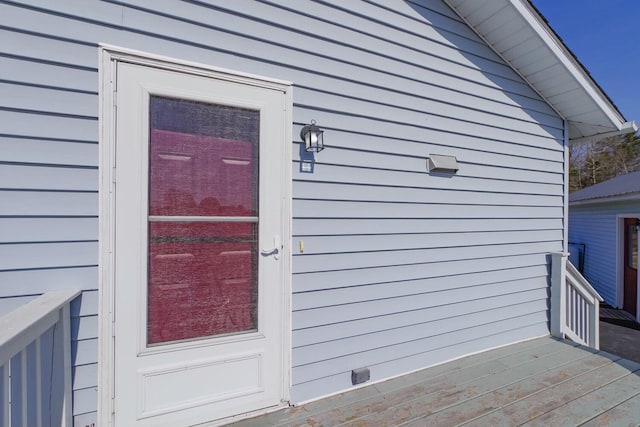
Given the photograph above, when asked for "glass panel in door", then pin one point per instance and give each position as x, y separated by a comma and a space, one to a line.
203, 220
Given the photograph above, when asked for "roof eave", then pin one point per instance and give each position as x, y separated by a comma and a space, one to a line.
627, 127
630, 197
577, 70
611, 120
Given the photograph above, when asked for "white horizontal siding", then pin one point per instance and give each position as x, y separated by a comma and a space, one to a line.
373, 348
84, 352
364, 192
339, 209
47, 75
84, 420
23, 96
314, 245
84, 401
460, 261
41, 280
341, 226
33, 124
25, 230
444, 333
354, 175
48, 203
30, 177
84, 328
596, 227
48, 255
332, 309
85, 376
48, 152
522, 145
472, 150
482, 124
323, 277
193, 29
341, 24
321, 329
466, 258
11, 303
468, 164
39, 48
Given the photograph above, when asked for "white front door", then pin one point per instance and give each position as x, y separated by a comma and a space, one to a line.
200, 226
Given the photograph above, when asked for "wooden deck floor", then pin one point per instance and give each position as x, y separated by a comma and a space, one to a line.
542, 382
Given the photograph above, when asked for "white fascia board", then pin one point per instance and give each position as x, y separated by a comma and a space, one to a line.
568, 61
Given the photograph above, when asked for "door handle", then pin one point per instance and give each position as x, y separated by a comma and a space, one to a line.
275, 250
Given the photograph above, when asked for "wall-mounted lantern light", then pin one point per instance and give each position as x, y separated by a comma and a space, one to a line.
442, 164
312, 137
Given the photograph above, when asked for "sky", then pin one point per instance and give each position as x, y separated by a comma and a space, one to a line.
605, 36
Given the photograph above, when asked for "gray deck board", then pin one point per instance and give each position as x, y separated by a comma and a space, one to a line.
516, 391
599, 401
461, 390
555, 391
539, 382
619, 416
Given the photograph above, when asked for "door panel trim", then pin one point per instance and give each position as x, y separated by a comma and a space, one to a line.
227, 364
110, 57
201, 342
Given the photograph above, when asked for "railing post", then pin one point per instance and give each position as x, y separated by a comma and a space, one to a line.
558, 295
65, 323
594, 332
60, 409
5, 393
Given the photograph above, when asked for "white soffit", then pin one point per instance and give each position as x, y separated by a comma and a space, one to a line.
522, 37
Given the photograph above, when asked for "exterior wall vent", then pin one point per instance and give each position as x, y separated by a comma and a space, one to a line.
442, 164
360, 375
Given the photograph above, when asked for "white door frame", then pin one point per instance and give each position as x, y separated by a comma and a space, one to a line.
109, 56
620, 235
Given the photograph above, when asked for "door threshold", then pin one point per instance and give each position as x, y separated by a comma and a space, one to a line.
236, 418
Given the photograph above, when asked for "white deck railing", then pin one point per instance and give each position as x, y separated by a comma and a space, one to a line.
575, 305
35, 363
